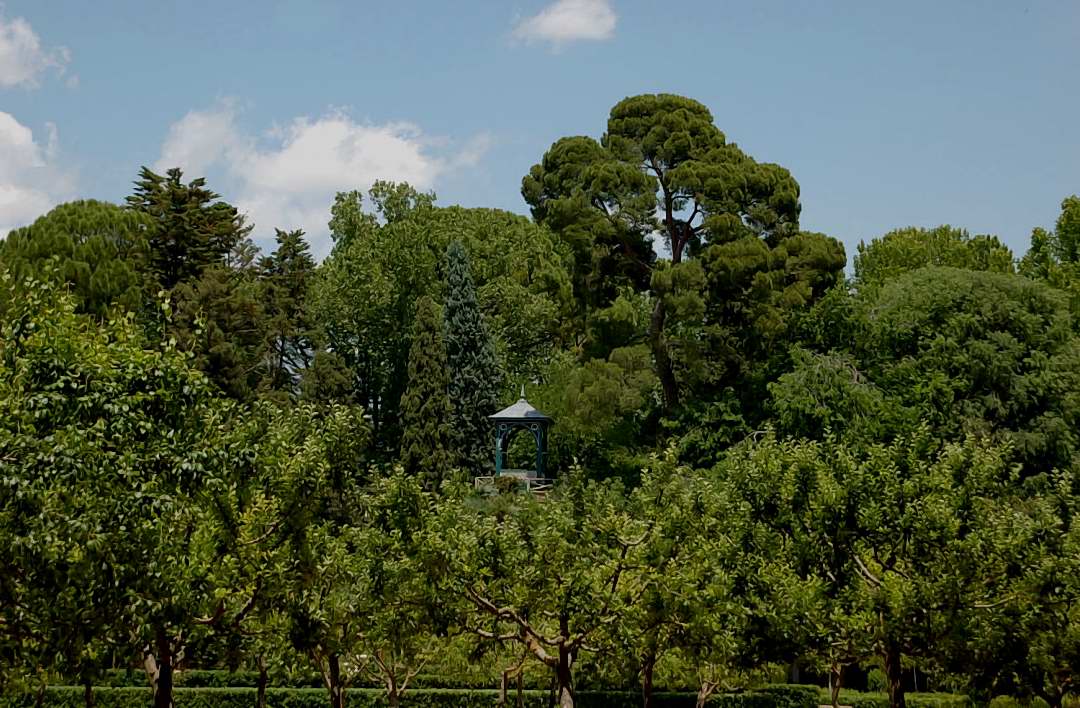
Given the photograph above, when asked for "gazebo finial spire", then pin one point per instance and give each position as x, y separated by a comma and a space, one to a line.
522, 392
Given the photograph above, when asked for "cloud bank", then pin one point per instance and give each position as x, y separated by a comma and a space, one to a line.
287, 177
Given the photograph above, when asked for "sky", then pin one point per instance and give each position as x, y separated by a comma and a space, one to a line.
889, 114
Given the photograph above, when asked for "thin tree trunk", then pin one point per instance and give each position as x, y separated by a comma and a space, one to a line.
520, 689
704, 693
159, 669
502, 687
564, 679
894, 674
260, 696
836, 680
648, 664
88, 692
333, 682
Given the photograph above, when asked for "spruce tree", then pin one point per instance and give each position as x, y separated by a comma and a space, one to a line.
426, 443
475, 377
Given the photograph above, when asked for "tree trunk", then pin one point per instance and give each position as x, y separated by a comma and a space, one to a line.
502, 688
88, 693
393, 694
260, 696
521, 689
658, 343
704, 693
158, 664
837, 675
894, 674
333, 682
648, 664
564, 680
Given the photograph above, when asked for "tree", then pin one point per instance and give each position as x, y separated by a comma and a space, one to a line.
550, 575
427, 441
982, 353
897, 549
191, 228
114, 451
98, 249
475, 378
365, 294
1054, 256
663, 165
220, 318
904, 250
285, 278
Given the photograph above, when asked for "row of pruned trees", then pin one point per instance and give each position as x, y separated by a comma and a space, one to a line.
143, 516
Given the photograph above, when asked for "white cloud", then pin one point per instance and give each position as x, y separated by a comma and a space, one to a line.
287, 177
22, 57
568, 21
31, 180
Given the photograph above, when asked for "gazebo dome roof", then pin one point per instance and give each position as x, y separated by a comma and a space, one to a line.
521, 411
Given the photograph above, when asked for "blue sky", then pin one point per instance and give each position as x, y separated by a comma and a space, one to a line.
889, 114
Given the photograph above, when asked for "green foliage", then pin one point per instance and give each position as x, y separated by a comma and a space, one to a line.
427, 441
285, 277
191, 228
72, 697
904, 250
109, 449
1054, 256
475, 377
98, 249
982, 353
220, 319
365, 296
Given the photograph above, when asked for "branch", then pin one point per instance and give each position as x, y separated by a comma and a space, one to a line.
865, 572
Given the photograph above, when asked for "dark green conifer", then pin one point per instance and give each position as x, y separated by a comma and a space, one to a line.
475, 377
286, 275
192, 229
426, 444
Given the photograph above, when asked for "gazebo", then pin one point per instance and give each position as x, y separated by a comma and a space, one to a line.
508, 423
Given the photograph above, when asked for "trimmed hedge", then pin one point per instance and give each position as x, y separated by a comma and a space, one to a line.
132, 697
857, 699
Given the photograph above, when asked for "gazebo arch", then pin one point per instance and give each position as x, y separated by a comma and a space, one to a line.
519, 418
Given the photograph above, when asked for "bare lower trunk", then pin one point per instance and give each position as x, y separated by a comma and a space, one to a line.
894, 673
260, 696
520, 690
704, 693
503, 682
564, 679
88, 693
332, 679
837, 675
158, 664
648, 664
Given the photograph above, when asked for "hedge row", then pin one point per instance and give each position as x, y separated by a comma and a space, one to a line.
858, 699
131, 697
216, 678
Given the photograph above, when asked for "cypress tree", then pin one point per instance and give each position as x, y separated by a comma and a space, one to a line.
426, 443
475, 377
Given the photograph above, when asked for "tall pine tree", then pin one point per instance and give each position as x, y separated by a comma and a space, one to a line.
426, 442
475, 377
286, 276
192, 229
